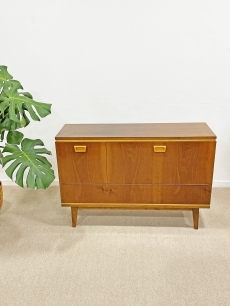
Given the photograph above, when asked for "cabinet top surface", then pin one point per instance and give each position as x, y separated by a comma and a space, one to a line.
136, 130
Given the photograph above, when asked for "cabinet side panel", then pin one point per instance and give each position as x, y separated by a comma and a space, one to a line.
135, 194
81, 167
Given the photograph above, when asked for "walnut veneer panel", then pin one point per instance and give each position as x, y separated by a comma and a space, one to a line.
84, 168
138, 130
180, 194
182, 163
119, 168
136, 163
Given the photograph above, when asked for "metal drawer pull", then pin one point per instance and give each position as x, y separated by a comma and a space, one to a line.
159, 149
80, 149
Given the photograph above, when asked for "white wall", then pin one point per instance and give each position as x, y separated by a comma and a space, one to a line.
111, 61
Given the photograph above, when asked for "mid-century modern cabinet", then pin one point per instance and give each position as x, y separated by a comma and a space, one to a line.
136, 166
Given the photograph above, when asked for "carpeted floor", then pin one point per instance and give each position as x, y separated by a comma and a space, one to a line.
142, 258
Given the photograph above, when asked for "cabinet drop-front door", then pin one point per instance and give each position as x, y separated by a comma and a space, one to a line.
160, 162
81, 162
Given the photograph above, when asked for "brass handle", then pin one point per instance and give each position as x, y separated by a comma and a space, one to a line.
80, 149
159, 149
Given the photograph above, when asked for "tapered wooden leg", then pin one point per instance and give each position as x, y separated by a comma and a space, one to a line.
195, 217
74, 216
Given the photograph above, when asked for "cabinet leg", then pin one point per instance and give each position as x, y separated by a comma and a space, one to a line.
74, 216
195, 213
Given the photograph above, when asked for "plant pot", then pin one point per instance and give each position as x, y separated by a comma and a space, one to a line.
1, 195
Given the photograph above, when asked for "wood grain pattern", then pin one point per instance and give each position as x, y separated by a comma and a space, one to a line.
136, 163
140, 206
182, 163
162, 194
119, 168
136, 130
81, 168
74, 211
195, 217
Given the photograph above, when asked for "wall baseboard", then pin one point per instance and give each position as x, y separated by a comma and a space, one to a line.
221, 184
8, 182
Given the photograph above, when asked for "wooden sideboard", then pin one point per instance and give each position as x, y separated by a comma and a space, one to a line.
136, 166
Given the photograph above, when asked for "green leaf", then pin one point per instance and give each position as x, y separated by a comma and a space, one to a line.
2, 133
40, 174
27, 94
19, 101
4, 74
3, 106
27, 121
1, 156
14, 137
9, 125
14, 85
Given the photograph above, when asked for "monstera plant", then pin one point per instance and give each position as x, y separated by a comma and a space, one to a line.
23, 157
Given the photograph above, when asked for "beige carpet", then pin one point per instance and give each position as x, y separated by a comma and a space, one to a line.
141, 258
